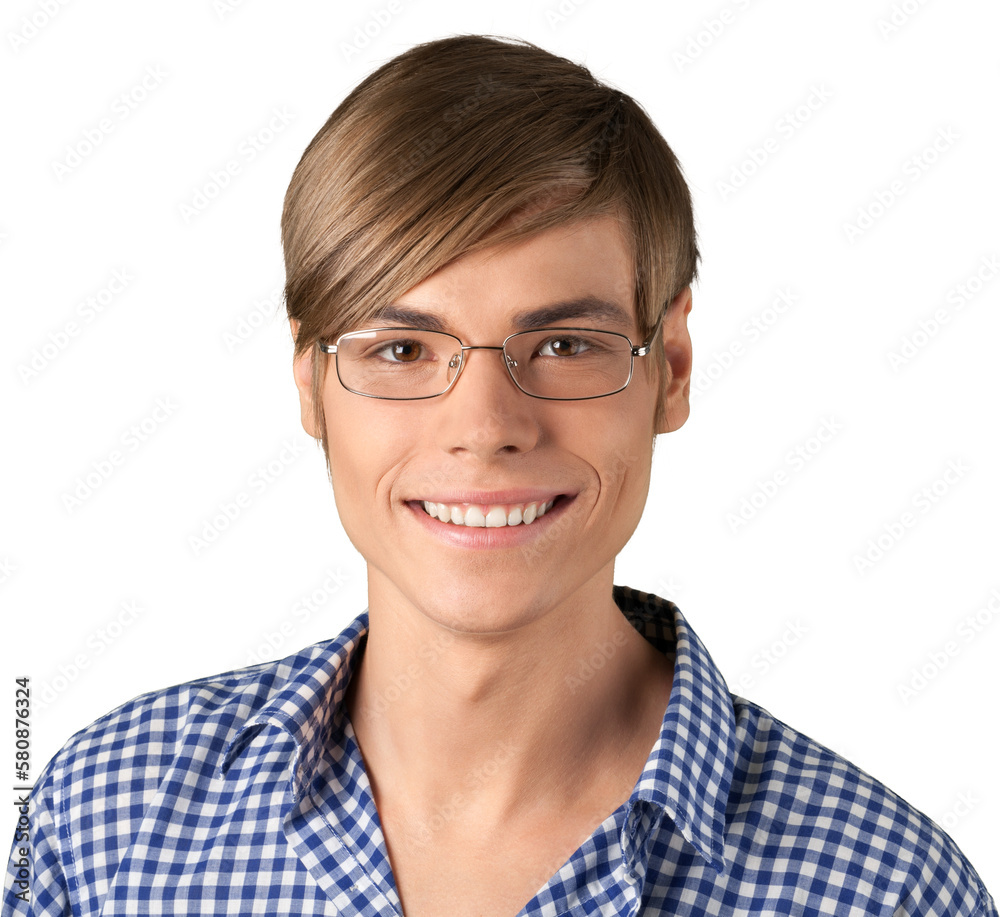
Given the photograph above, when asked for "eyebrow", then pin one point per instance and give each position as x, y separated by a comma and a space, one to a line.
590, 308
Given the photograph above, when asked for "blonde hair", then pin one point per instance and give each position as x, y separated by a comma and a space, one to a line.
431, 155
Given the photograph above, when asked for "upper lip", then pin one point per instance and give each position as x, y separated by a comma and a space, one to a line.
494, 497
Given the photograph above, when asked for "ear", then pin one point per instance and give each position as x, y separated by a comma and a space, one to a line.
302, 370
676, 382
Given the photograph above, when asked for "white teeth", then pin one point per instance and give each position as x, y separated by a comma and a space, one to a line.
494, 517
474, 517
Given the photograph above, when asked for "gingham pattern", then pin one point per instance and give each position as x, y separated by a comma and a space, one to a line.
246, 794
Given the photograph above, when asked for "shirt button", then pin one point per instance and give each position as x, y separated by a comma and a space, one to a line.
631, 876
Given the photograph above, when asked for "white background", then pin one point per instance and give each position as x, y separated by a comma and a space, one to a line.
836, 102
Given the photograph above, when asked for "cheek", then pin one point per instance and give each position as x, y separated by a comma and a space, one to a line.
369, 442
615, 441
626, 461
355, 449
626, 478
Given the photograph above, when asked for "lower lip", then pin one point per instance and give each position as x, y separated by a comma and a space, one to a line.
503, 536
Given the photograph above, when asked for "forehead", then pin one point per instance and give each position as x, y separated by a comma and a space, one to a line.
580, 271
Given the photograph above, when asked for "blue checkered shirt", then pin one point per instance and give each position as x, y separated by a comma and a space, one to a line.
246, 794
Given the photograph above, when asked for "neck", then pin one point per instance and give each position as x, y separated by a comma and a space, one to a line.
486, 725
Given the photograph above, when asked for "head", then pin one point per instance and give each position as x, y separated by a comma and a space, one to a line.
474, 178
463, 143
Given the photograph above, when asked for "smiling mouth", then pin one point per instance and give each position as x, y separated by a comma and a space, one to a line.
497, 515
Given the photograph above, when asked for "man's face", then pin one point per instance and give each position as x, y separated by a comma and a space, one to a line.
486, 443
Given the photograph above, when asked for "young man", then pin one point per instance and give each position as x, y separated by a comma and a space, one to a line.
489, 257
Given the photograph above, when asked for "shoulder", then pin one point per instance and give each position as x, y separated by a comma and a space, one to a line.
156, 718
162, 754
807, 809
129, 750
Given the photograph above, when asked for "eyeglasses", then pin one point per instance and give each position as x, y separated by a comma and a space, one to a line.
559, 364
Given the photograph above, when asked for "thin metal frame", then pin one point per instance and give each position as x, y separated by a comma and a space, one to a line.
509, 363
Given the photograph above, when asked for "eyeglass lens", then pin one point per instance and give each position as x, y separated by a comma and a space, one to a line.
549, 363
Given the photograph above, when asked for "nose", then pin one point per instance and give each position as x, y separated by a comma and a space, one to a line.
484, 413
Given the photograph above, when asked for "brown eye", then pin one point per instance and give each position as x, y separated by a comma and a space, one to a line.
406, 351
561, 347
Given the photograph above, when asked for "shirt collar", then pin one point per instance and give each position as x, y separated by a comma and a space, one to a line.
309, 689
689, 772
687, 775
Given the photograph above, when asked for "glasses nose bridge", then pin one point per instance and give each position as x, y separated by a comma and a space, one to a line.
481, 347
508, 363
